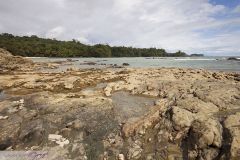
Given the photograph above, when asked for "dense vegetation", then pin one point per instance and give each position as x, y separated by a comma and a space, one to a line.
39, 47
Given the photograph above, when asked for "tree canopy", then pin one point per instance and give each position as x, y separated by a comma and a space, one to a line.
34, 46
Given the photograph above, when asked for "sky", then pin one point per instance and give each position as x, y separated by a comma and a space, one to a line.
210, 27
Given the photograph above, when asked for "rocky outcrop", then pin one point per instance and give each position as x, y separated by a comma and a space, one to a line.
182, 118
232, 124
10, 62
122, 114
205, 139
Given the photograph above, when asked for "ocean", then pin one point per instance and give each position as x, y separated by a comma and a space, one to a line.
209, 63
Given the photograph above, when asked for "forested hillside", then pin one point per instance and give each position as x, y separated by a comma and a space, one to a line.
39, 47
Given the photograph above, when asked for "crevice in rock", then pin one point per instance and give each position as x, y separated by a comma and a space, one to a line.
226, 144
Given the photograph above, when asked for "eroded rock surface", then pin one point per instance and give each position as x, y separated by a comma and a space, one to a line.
10, 62
124, 113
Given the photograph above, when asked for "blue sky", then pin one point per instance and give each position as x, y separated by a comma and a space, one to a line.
211, 27
227, 3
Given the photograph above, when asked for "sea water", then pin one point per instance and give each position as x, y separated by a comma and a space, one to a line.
210, 63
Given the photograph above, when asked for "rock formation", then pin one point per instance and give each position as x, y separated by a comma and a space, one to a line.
161, 113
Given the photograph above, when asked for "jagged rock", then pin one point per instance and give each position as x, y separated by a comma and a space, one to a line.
88, 117
10, 62
232, 123
210, 153
205, 137
181, 118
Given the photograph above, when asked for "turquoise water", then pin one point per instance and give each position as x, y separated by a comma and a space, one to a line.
210, 63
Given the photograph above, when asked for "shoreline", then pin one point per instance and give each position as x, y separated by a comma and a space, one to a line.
212, 65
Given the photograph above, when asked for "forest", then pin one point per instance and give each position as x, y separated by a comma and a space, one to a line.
33, 46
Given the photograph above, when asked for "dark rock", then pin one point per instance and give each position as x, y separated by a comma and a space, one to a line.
125, 64
32, 132
9, 131
5, 144
233, 59
88, 63
71, 60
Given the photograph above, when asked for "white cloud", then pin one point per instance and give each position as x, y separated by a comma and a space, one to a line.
83, 40
169, 24
55, 32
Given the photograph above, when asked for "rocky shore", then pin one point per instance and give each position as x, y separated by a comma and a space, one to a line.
118, 113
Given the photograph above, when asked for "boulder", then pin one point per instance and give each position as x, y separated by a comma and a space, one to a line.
205, 138
125, 64
10, 62
181, 118
232, 123
233, 59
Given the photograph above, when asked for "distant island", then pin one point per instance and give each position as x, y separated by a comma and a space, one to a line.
196, 55
33, 46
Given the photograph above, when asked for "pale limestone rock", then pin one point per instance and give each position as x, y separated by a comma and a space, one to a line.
232, 123
3, 117
58, 139
121, 157
207, 132
182, 118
